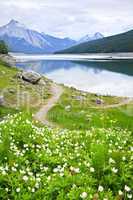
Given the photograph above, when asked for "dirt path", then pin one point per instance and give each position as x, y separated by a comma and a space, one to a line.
122, 103
41, 115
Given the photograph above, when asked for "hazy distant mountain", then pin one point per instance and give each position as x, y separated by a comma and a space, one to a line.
88, 38
59, 43
118, 43
21, 39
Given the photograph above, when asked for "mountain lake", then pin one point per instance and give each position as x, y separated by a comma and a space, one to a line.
101, 76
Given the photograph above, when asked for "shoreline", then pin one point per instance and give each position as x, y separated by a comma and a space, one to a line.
73, 57
11, 57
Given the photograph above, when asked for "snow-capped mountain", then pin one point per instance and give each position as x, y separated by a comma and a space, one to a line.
88, 37
21, 39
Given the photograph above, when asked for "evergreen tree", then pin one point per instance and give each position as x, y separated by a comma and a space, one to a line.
3, 48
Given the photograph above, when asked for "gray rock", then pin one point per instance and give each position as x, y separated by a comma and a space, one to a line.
99, 101
31, 77
42, 82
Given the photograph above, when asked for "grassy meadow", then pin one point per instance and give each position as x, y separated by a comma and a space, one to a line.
77, 110
45, 163
88, 155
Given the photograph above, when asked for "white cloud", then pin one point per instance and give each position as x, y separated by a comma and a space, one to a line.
70, 18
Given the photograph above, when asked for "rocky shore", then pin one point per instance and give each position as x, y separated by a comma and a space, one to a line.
8, 59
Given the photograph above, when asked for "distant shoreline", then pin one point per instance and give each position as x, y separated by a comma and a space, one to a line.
21, 57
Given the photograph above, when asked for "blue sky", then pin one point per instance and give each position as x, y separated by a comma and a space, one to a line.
70, 18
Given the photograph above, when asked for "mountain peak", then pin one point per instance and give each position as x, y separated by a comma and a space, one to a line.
99, 35
90, 37
15, 23
12, 21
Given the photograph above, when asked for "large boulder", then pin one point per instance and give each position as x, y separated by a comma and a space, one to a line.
31, 77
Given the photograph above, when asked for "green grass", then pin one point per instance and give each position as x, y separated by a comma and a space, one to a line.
6, 74
86, 114
53, 164
5, 111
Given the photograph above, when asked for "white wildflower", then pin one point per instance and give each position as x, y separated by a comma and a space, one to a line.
25, 178
111, 161
88, 164
120, 192
61, 174
33, 190
4, 172
123, 158
22, 171
6, 189
38, 179
55, 170
127, 189
18, 190
92, 169
129, 196
37, 185
77, 170
14, 169
131, 148
114, 170
84, 195
30, 173
100, 188
74, 186
73, 169
49, 178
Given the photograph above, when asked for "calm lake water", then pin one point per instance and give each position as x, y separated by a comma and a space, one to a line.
101, 77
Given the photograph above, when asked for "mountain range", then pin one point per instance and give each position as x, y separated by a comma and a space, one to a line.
118, 43
21, 39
